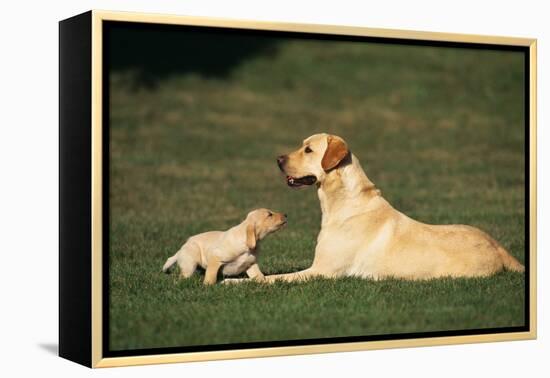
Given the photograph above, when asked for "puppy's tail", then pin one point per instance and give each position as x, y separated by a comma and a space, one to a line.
171, 261
509, 261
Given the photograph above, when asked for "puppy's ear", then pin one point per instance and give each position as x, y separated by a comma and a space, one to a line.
336, 150
250, 236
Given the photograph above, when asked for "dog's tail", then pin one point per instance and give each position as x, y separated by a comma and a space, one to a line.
510, 262
171, 261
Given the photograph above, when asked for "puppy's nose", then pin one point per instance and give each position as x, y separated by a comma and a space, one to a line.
281, 161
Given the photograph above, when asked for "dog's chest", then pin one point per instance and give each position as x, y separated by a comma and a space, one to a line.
239, 264
353, 249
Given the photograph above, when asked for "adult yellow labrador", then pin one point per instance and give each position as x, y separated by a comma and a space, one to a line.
363, 235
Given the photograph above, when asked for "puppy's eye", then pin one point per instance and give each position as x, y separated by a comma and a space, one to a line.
308, 150
269, 214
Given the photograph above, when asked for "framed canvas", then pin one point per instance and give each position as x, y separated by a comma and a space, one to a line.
183, 141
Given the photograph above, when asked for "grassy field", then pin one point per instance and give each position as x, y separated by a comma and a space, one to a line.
439, 130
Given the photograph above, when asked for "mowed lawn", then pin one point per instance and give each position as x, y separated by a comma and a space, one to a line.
439, 130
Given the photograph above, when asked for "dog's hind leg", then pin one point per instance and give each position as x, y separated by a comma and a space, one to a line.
187, 260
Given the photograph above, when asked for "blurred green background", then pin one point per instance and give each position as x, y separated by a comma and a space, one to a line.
196, 121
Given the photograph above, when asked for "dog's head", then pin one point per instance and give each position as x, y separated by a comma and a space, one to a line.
319, 154
262, 222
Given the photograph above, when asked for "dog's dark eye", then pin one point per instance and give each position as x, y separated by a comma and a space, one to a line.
269, 214
308, 150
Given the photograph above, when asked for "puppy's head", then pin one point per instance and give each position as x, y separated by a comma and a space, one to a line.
262, 222
318, 155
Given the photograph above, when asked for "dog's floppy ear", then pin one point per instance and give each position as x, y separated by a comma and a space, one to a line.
336, 150
251, 236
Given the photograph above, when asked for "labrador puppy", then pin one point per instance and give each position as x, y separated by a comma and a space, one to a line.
234, 250
363, 235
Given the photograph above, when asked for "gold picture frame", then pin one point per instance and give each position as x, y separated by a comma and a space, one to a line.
90, 328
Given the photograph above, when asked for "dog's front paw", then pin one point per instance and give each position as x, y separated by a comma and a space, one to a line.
229, 281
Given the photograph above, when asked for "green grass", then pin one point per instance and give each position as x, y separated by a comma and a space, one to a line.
439, 130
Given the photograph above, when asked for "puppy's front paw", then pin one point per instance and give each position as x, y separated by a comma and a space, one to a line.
229, 281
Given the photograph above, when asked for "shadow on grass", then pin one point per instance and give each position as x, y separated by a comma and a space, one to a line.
155, 52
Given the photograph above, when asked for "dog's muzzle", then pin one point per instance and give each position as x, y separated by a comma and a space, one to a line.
281, 160
297, 182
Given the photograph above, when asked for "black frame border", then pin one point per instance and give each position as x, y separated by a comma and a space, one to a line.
75, 195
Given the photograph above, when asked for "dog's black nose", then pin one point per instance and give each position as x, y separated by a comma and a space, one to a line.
281, 161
